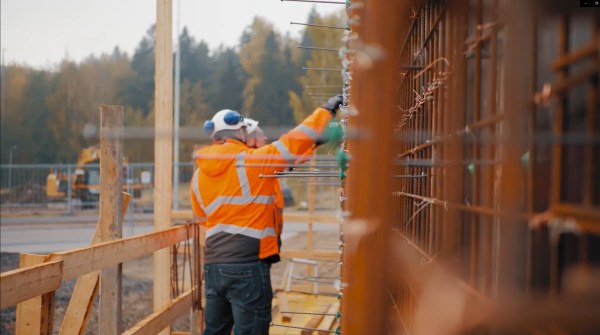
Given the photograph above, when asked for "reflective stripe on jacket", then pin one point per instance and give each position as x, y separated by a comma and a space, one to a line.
235, 204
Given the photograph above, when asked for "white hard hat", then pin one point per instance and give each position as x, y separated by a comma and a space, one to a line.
224, 119
251, 125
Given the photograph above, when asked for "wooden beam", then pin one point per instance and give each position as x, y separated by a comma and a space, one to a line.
314, 321
111, 219
22, 284
80, 261
329, 320
283, 304
85, 290
163, 148
36, 315
80, 304
164, 317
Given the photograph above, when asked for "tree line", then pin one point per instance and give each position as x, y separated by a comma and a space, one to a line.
44, 112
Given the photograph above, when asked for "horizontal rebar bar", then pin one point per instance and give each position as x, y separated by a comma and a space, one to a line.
411, 67
468, 208
319, 158
317, 48
312, 280
430, 259
305, 328
320, 183
308, 313
313, 172
312, 293
466, 130
297, 175
321, 69
320, 95
319, 25
303, 165
322, 86
433, 162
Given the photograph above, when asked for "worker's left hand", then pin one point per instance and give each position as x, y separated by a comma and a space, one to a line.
333, 104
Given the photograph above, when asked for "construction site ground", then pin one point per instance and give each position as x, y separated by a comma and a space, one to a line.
137, 290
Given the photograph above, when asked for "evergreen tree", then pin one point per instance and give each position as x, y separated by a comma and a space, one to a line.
226, 90
15, 80
137, 90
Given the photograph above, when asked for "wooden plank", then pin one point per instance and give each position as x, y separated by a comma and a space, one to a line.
111, 218
284, 306
36, 315
80, 304
85, 290
314, 321
163, 148
329, 320
160, 319
80, 261
22, 284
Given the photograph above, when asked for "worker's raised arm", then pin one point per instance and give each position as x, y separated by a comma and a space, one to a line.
292, 145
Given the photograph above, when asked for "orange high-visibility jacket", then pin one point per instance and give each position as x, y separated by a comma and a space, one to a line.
235, 204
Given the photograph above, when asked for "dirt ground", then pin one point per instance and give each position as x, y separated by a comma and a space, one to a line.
137, 286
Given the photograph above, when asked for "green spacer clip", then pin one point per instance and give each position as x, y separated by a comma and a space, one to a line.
342, 158
525, 159
471, 168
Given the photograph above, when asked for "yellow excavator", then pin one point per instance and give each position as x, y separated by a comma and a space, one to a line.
86, 179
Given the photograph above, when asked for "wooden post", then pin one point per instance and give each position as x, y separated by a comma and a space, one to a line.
36, 315
365, 297
163, 149
85, 290
111, 218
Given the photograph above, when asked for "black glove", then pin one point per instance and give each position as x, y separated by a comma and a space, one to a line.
333, 104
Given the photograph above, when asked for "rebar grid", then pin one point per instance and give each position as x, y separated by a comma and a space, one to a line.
506, 231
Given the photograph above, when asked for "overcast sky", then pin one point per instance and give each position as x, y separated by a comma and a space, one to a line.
41, 33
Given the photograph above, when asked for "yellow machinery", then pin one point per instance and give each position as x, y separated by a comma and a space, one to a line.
85, 181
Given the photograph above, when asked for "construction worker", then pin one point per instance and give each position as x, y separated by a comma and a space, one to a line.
236, 205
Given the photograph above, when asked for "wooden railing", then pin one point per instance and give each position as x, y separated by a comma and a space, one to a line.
23, 284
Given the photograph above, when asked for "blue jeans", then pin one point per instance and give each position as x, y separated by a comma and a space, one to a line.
238, 295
